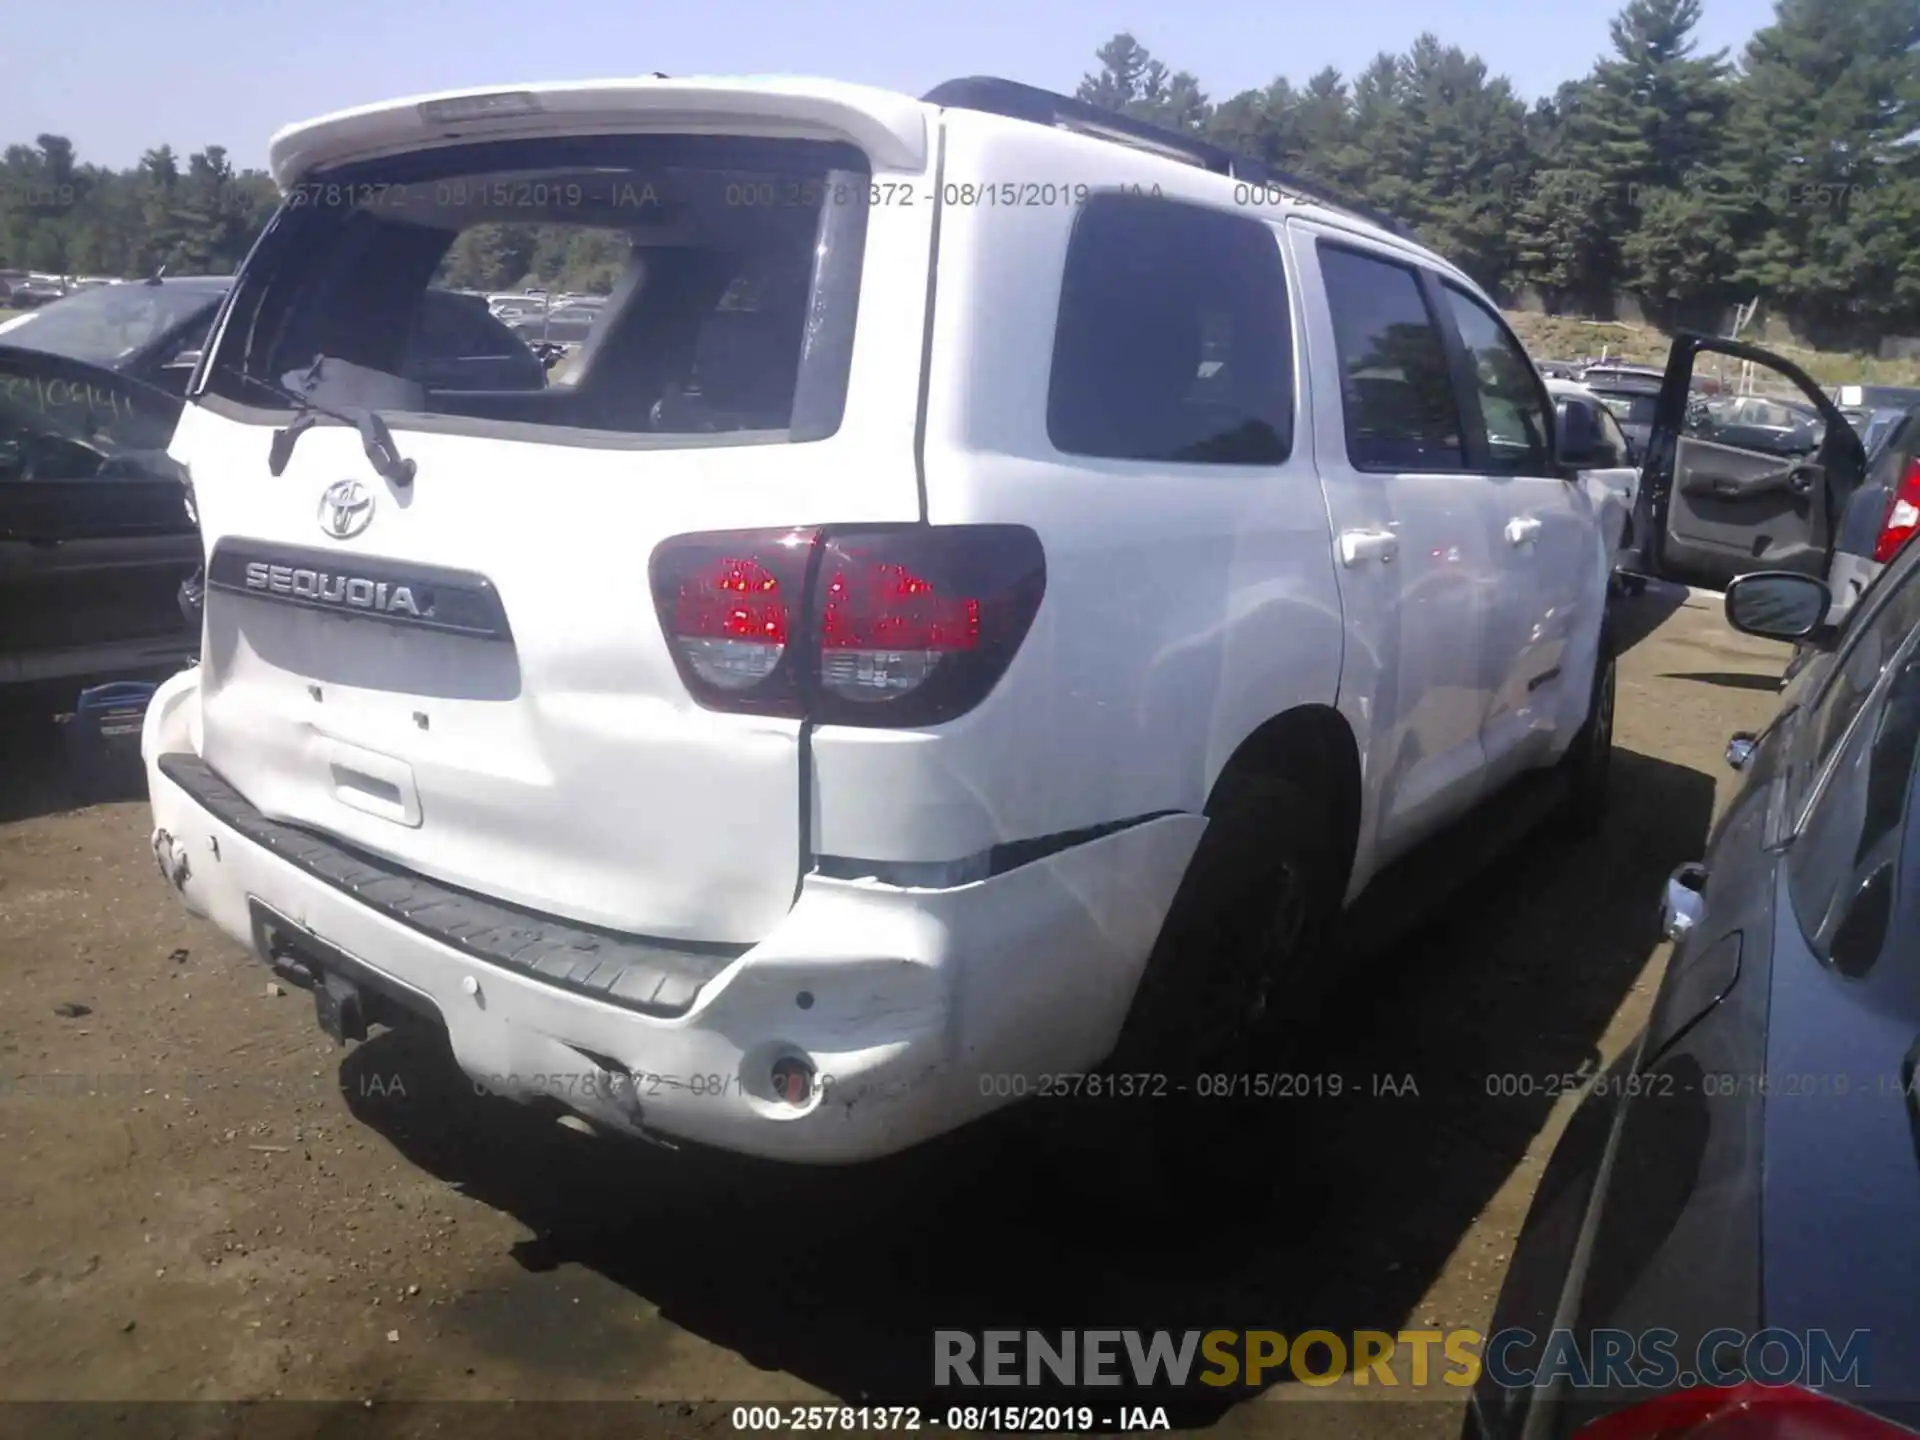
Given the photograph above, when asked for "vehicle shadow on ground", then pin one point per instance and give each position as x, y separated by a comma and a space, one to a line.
841, 1277
38, 778
1635, 617
1726, 679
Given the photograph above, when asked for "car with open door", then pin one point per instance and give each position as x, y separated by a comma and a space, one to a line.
96, 533
1722, 1242
1745, 482
1630, 392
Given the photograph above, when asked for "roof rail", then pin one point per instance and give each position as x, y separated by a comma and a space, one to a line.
995, 96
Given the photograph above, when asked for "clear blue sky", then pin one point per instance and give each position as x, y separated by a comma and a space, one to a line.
118, 76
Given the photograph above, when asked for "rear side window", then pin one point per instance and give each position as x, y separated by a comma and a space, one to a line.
1844, 868
1395, 386
385, 269
1875, 633
1513, 411
1173, 341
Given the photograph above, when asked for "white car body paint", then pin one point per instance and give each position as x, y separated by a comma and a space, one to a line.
569, 772
1614, 489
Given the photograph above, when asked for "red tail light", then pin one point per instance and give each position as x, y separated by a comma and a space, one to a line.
907, 626
1903, 515
1743, 1412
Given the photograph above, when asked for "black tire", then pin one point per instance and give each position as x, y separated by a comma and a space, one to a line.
1232, 982
1233, 965
1588, 763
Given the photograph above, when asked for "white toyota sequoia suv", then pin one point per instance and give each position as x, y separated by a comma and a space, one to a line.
995, 584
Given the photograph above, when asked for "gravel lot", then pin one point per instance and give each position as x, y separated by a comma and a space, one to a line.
239, 1211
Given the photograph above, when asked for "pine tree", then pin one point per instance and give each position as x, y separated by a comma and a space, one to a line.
1821, 143
1561, 242
1629, 193
1133, 83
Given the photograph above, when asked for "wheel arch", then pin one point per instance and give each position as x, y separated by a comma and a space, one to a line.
1312, 746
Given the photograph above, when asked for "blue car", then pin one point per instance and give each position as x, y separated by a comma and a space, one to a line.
1726, 1241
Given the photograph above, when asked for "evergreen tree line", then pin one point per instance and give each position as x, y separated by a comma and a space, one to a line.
1690, 180
1687, 179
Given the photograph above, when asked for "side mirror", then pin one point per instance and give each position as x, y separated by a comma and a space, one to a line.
1581, 443
1778, 605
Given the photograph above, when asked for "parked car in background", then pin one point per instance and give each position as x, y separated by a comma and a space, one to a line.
1750, 1163
1873, 410
1883, 514
96, 534
32, 293
1630, 391
152, 331
1744, 483
1599, 450
1877, 397
564, 325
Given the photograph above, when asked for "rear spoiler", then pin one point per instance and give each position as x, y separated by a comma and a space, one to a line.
891, 128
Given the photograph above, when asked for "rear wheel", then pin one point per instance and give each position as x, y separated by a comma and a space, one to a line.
1232, 983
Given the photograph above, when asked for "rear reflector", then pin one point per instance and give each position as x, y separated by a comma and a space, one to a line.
1748, 1411
1903, 515
908, 626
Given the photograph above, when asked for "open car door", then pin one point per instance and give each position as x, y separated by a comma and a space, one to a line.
1749, 466
95, 532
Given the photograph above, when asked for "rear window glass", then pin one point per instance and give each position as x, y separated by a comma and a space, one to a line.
109, 324
1397, 388
720, 277
1172, 341
1629, 409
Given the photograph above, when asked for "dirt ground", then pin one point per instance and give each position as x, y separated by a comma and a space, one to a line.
202, 1200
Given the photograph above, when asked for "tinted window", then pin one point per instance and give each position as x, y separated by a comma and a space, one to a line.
74, 422
1843, 867
668, 224
1632, 409
1174, 341
1395, 386
1513, 412
1875, 633
108, 324
451, 327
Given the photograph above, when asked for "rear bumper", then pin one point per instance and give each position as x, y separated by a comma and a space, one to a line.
915, 1007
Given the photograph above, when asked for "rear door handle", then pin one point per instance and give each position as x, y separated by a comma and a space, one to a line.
1521, 529
1359, 545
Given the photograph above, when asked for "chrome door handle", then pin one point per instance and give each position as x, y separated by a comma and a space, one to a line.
1358, 545
1521, 529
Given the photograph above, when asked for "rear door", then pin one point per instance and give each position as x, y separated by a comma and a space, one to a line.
1542, 535
1755, 475
95, 534
1417, 585
525, 723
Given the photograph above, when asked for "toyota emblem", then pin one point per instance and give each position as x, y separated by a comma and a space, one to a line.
346, 508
